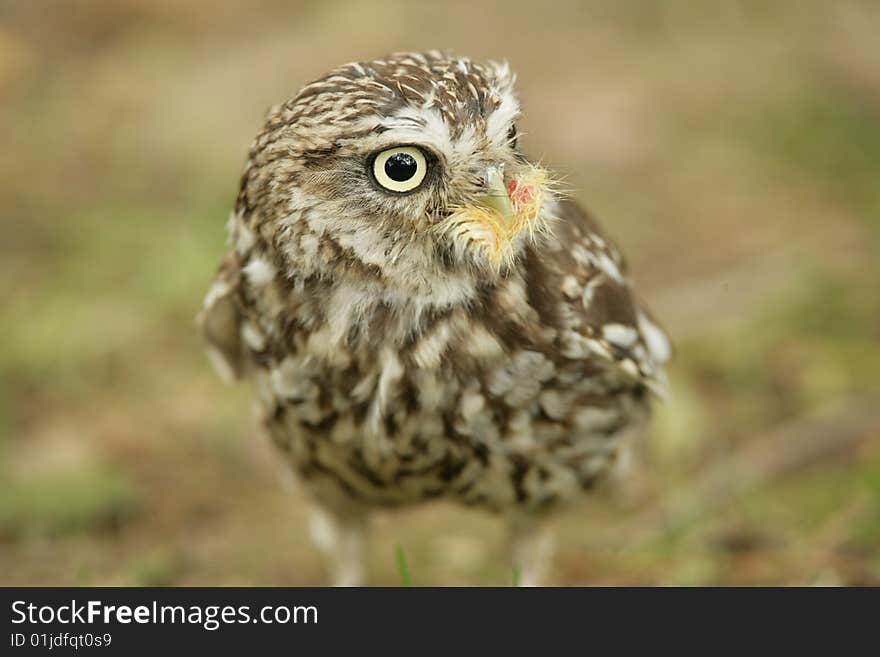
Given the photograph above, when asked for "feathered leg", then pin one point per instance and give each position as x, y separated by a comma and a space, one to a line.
341, 538
532, 546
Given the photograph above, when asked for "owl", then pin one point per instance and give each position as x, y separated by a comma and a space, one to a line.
423, 314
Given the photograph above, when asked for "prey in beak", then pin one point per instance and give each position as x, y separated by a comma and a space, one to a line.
506, 210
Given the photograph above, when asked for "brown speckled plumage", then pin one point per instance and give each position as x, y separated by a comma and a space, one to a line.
394, 361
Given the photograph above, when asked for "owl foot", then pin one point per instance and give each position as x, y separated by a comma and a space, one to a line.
532, 546
342, 541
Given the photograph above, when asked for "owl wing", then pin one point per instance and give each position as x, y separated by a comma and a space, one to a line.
597, 310
220, 321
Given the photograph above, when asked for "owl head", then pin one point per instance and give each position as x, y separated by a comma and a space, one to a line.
404, 166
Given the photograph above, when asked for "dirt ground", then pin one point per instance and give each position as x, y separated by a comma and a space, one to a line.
732, 148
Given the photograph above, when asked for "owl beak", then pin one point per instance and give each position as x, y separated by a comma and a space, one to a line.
500, 213
496, 197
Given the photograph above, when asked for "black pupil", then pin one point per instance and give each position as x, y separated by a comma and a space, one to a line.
400, 167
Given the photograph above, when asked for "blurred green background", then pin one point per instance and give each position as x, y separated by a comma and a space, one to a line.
732, 148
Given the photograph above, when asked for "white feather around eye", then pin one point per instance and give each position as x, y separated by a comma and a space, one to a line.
499, 122
419, 124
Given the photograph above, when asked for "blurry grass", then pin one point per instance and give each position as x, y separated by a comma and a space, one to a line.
832, 134
114, 276
66, 503
161, 567
866, 537
814, 341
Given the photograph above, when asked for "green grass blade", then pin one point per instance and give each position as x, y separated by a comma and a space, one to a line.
402, 567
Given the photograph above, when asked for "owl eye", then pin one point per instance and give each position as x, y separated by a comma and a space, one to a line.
400, 169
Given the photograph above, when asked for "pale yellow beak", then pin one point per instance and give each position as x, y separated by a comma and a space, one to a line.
496, 197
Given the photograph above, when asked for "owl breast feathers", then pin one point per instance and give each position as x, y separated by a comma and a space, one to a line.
423, 316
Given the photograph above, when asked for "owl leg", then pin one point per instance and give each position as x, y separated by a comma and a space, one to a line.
341, 538
532, 546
